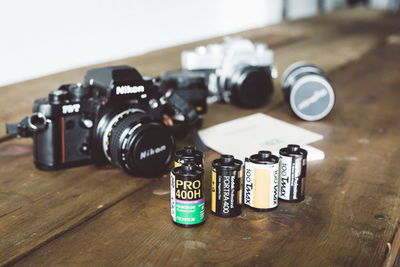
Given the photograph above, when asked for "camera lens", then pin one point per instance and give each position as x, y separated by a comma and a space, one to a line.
250, 86
308, 91
136, 143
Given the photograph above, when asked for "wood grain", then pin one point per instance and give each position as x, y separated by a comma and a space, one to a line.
350, 212
92, 216
37, 206
349, 215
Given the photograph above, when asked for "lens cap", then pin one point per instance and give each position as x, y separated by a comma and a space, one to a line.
312, 98
140, 145
251, 86
150, 149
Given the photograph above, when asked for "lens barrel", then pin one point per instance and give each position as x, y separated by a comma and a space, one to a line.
138, 144
250, 86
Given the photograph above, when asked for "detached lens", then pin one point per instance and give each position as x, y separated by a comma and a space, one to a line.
138, 144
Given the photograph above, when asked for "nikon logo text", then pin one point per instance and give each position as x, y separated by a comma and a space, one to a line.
127, 89
152, 151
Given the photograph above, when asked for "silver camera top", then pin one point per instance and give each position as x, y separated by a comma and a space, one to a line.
233, 51
237, 70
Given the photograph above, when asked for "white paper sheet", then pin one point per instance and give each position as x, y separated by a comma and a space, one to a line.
247, 135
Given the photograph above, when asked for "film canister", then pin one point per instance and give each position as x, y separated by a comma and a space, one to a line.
226, 197
293, 164
188, 155
308, 91
261, 181
187, 195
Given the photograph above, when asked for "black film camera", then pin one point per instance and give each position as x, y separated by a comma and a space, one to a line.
116, 116
191, 87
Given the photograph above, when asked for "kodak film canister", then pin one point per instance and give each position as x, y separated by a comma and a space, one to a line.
261, 181
293, 164
188, 155
226, 194
187, 195
308, 91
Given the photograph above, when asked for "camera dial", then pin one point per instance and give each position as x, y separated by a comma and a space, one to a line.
37, 121
135, 142
57, 97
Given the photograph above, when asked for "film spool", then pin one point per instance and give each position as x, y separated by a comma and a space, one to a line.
292, 182
308, 91
261, 181
187, 195
226, 194
188, 155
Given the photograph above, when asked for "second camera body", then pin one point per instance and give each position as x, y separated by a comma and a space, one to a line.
236, 71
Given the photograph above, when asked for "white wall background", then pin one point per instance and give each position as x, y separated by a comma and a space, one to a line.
39, 37
304, 8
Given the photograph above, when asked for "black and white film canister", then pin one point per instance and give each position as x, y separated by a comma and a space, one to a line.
226, 194
308, 91
293, 164
188, 155
187, 195
260, 183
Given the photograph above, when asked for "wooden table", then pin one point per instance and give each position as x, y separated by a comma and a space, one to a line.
102, 216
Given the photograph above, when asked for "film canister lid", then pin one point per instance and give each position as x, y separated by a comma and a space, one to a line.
227, 162
308, 91
264, 157
189, 154
189, 170
293, 150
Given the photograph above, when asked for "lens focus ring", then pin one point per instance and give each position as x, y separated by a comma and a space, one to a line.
251, 86
118, 138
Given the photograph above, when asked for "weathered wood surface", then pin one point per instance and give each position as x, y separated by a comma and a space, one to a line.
98, 216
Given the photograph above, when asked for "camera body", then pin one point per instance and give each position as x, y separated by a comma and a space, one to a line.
190, 86
237, 71
115, 116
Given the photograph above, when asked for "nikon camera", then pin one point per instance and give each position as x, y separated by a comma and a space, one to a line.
116, 116
237, 71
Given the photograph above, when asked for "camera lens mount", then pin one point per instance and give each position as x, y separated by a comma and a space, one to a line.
136, 143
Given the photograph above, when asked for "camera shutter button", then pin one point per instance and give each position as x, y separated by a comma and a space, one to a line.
78, 91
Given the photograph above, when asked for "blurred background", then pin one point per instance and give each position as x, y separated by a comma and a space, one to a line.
43, 36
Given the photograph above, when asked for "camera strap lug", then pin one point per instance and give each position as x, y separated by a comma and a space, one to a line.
35, 122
